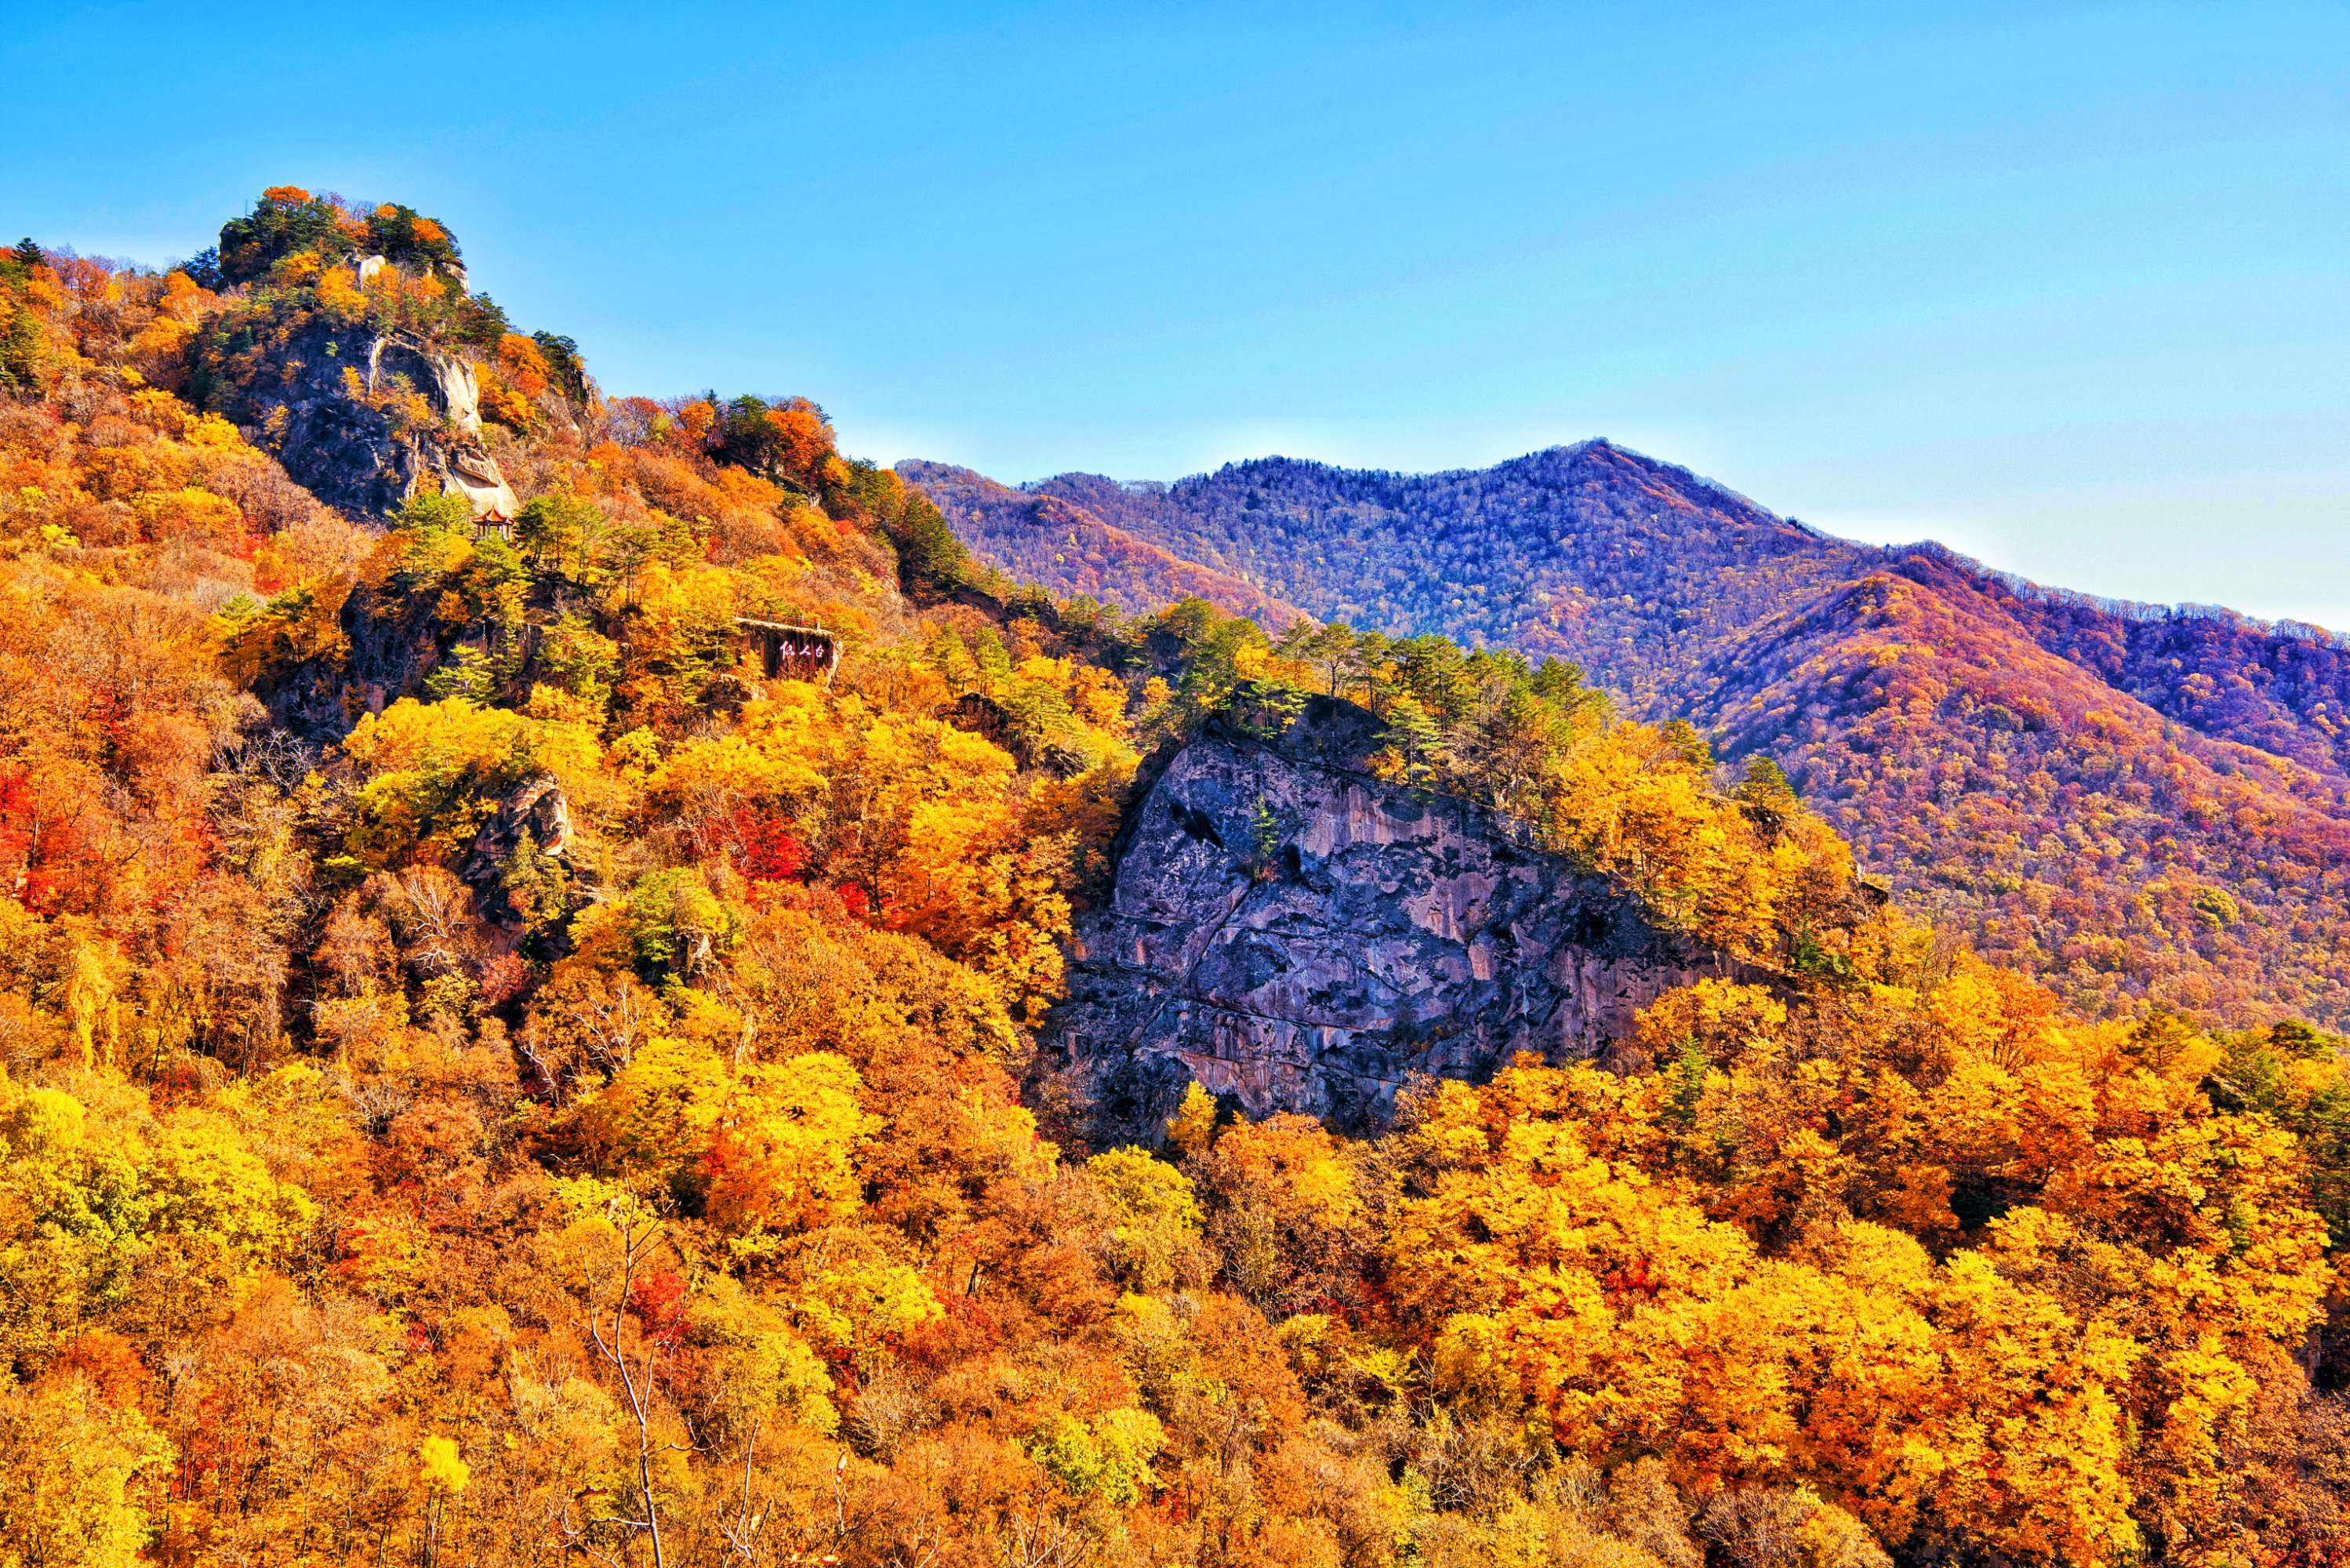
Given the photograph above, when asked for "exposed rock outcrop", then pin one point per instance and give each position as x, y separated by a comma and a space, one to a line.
389, 647
984, 716
1293, 933
333, 415
535, 809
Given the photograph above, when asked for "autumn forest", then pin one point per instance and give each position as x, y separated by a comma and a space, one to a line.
494, 1069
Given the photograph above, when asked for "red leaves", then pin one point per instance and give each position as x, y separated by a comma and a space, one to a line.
804, 438
764, 847
503, 977
20, 817
41, 849
1633, 1277
658, 1301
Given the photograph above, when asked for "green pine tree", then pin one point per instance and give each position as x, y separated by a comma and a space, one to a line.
537, 886
1766, 794
1690, 1068
20, 352
1264, 837
1411, 741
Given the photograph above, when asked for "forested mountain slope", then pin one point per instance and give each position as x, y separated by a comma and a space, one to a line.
493, 1070
2135, 803
1044, 538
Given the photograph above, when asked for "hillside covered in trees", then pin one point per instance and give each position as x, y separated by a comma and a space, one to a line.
491, 1073
2134, 804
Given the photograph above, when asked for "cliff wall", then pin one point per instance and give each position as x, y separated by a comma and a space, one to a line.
1293, 933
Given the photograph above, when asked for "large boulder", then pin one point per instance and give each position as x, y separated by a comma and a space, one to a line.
1298, 935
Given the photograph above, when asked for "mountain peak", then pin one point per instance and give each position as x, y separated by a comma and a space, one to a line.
1845, 662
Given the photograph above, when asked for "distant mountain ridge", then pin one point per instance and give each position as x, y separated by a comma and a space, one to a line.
1082, 551
2138, 801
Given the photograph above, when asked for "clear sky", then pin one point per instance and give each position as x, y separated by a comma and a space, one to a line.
2066, 291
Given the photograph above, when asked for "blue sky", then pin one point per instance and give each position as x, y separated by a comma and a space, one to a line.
2069, 291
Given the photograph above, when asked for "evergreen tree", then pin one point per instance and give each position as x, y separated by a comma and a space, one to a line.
286, 220
536, 884
927, 551
20, 352
1766, 794
568, 372
1265, 836
1411, 741
1689, 1067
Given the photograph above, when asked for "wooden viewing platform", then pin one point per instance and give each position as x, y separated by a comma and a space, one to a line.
788, 652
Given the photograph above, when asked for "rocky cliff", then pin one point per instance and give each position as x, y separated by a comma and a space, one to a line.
1294, 933
363, 418
1958, 724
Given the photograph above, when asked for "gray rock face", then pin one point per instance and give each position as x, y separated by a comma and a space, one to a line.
349, 453
1289, 930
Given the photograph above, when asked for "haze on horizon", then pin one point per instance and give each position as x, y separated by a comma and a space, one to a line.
2068, 293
